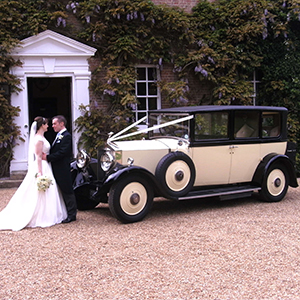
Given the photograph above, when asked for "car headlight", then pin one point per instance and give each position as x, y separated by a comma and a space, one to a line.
107, 160
82, 159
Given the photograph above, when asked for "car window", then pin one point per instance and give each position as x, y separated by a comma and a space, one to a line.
175, 128
246, 124
270, 124
213, 125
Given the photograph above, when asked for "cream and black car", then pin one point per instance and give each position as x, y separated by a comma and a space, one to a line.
189, 153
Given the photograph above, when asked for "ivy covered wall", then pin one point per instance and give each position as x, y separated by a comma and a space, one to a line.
207, 55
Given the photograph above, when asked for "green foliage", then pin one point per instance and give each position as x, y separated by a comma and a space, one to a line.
118, 85
225, 47
20, 19
175, 93
280, 78
126, 32
95, 125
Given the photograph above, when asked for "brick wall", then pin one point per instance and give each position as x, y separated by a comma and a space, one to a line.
200, 92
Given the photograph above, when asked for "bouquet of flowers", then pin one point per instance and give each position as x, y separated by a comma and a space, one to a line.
43, 183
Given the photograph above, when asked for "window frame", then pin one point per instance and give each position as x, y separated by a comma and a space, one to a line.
135, 110
212, 138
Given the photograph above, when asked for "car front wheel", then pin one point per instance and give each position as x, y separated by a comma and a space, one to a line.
275, 186
130, 198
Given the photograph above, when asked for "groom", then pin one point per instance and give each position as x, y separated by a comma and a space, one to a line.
60, 154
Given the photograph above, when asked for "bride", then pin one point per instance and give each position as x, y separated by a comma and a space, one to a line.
30, 207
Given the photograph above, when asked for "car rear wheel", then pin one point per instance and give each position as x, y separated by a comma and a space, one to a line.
130, 198
275, 185
176, 174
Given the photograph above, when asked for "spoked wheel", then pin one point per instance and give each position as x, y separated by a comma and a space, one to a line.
83, 195
130, 198
176, 174
276, 184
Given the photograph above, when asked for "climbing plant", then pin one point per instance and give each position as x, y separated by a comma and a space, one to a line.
224, 49
222, 42
280, 76
127, 32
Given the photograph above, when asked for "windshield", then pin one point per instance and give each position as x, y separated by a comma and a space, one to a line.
175, 129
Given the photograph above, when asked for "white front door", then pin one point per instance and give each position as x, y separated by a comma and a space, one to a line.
50, 57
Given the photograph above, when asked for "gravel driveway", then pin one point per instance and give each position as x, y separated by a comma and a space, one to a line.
241, 249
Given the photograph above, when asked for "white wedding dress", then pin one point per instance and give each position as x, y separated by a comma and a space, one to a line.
32, 208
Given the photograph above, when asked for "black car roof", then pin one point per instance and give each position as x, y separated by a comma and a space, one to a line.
206, 108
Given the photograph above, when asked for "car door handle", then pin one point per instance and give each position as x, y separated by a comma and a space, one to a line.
233, 147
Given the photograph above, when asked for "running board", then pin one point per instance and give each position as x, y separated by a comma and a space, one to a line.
224, 193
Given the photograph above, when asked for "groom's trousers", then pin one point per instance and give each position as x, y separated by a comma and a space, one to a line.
70, 202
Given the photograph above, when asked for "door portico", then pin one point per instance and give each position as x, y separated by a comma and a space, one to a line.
49, 55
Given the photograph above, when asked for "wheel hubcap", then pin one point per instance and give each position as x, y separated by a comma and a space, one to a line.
179, 175
277, 182
134, 199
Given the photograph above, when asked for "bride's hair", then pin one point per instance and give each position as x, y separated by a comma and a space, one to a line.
39, 122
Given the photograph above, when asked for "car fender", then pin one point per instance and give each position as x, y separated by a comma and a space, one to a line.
262, 169
80, 178
129, 170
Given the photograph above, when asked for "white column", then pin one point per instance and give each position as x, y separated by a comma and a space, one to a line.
80, 96
19, 162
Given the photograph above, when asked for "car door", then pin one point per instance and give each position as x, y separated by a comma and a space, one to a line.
212, 165
246, 149
211, 151
244, 161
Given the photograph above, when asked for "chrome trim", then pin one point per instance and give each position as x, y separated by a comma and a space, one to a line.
82, 159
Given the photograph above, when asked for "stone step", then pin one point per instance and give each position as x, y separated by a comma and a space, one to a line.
13, 181
9, 183
18, 175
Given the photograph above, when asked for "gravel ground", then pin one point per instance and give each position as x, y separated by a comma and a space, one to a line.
241, 249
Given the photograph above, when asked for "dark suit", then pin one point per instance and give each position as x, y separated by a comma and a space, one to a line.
60, 155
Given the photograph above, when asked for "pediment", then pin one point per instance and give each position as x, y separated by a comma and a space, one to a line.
52, 44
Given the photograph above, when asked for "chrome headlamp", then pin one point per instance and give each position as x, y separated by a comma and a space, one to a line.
82, 159
107, 160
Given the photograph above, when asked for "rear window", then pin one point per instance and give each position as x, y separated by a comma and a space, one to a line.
271, 124
246, 124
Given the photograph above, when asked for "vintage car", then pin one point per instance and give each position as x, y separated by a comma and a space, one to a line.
189, 153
